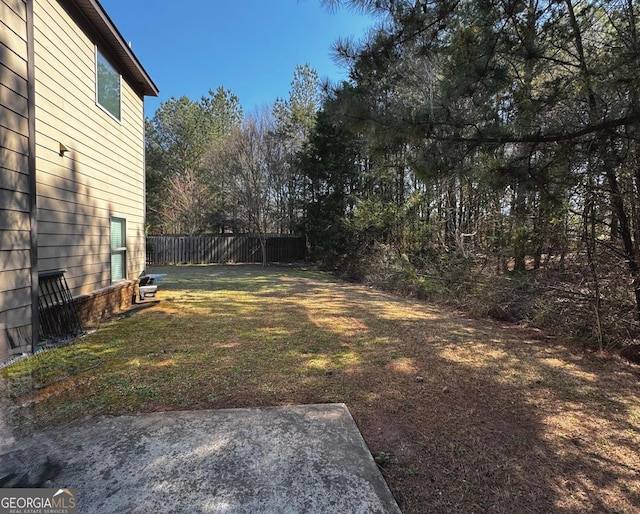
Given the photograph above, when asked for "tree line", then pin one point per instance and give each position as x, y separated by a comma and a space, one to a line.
472, 137
211, 168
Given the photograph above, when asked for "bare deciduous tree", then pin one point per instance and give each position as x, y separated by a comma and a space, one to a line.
248, 158
188, 199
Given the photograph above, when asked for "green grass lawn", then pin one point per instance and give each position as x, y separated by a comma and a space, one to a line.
502, 421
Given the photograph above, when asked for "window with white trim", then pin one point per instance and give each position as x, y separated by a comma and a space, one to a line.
108, 84
118, 249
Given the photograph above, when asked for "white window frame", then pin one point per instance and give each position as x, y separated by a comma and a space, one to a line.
121, 250
98, 55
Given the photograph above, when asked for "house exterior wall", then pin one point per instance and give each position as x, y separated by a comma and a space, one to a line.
101, 175
56, 208
15, 197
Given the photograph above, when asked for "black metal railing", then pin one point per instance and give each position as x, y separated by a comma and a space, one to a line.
59, 319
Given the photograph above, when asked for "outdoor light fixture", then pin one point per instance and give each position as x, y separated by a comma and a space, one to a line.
63, 149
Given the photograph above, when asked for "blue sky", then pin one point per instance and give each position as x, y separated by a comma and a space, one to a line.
248, 46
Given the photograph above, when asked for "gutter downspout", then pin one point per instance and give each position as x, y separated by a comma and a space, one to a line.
33, 204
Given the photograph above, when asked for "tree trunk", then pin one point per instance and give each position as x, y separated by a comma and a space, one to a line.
263, 248
520, 236
589, 232
450, 216
617, 203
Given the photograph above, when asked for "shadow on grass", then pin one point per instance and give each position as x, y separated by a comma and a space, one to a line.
499, 422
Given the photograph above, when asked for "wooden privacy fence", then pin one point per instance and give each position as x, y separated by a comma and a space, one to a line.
222, 249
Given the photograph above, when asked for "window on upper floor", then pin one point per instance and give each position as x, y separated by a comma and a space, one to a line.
108, 86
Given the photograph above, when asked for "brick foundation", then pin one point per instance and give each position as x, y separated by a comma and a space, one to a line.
104, 303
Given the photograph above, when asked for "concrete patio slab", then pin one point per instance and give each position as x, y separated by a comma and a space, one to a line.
292, 459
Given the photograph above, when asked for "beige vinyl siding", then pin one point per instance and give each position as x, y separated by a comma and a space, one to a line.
15, 224
102, 174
